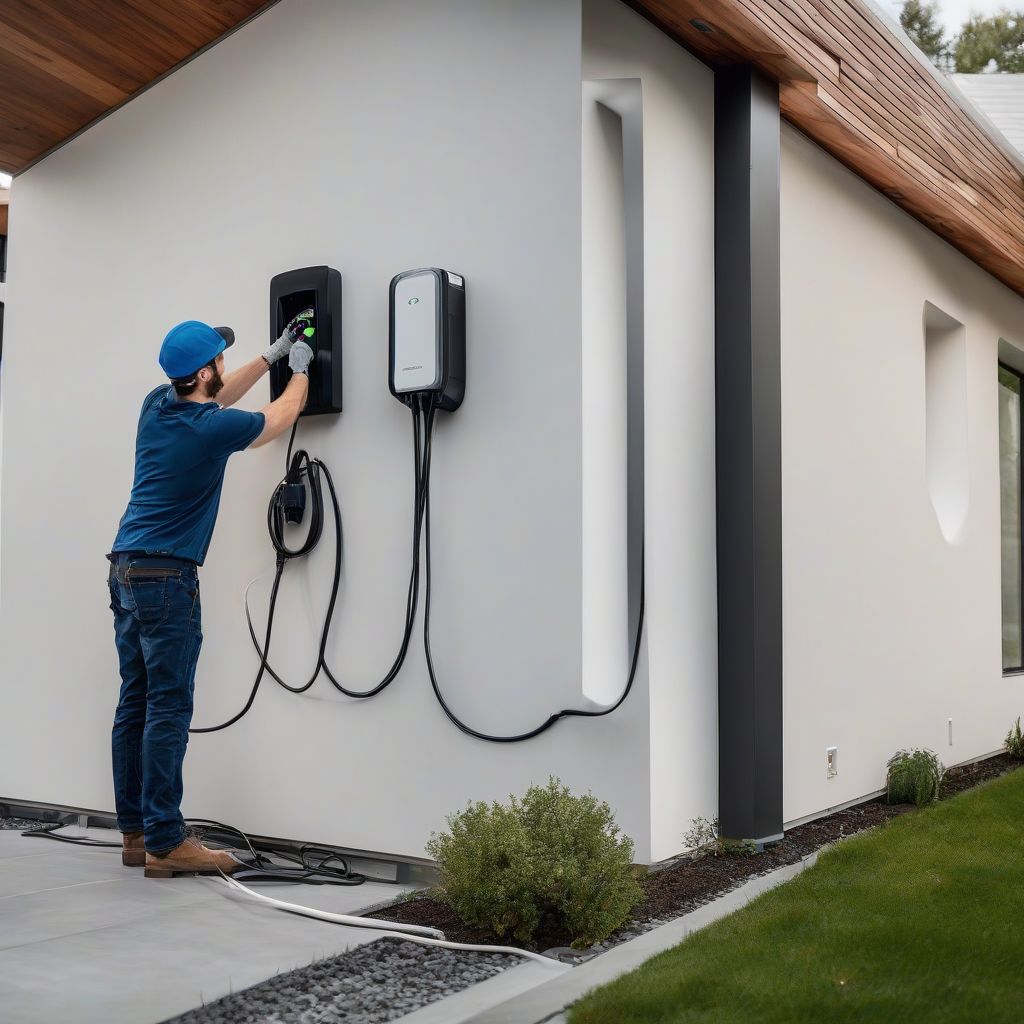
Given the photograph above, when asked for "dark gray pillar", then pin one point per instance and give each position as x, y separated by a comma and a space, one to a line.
748, 455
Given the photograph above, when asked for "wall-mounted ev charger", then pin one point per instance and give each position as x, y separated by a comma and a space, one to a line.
427, 337
427, 373
319, 289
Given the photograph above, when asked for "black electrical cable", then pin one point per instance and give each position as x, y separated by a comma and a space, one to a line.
312, 469
263, 656
557, 716
49, 831
310, 865
301, 468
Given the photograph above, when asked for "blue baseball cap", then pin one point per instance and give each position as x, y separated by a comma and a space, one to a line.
189, 346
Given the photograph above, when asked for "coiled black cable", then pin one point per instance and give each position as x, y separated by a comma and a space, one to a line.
310, 865
558, 715
300, 467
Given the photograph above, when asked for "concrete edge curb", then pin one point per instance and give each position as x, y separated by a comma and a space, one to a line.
497, 991
547, 999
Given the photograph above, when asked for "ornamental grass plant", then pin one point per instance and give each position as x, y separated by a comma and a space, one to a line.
913, 777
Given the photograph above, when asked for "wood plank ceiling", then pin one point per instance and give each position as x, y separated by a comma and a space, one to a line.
847, 81
64, 63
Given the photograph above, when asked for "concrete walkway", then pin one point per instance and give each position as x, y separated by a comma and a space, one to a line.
83, 938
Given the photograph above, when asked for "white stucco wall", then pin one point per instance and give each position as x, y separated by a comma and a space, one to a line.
373, 137
376, 137
890, 629
679, 355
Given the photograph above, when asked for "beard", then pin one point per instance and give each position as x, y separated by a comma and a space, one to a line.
214, 384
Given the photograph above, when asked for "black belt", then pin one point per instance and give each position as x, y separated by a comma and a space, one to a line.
145, 560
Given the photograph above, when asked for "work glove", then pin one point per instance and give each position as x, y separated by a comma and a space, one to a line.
300, 326
299, 357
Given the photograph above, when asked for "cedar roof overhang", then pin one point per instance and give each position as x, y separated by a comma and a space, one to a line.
66, 63
850, 81
846, 79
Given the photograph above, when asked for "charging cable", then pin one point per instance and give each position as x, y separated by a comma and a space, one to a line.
445, 707
287, 505
390, 929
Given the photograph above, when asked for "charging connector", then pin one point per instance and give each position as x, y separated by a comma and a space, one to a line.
292, 502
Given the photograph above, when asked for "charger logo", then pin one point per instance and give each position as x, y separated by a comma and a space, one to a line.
413, 301
418, 366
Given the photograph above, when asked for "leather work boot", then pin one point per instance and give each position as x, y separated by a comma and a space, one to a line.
133, 853
191, 858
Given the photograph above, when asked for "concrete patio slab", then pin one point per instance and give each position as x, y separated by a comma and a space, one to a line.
84, 938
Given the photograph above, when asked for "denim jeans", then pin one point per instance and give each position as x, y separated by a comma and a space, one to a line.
157, 629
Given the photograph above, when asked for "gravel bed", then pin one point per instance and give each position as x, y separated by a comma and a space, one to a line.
373, 983
18, 824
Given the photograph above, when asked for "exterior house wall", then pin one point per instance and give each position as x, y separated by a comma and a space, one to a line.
465, 134
375, 138
890, 629
339, 133
679, 353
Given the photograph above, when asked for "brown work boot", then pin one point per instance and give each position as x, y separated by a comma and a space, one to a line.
133, 853
191, 858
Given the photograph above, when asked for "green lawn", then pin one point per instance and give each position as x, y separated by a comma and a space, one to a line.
920, 920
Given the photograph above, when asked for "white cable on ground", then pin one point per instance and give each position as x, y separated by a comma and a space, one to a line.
393, 929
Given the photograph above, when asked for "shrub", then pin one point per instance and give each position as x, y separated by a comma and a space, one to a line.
548, 864
1015, 742
703, 838
913, 777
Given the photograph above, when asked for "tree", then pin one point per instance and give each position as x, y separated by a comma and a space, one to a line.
920, 20
992, 43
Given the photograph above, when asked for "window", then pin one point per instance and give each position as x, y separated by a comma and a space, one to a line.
1010, 515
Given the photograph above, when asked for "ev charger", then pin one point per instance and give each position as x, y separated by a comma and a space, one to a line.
319, 289
427, 337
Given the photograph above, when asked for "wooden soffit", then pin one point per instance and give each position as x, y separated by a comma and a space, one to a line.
847, 80
65, 63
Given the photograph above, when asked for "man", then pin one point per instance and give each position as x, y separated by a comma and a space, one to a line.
185, 436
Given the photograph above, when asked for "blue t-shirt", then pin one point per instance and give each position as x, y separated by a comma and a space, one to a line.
181, 451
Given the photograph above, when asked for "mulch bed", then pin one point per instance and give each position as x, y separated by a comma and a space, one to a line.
687, 883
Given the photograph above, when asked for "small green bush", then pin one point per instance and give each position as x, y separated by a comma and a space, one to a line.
550, 863
703, 839
1015, 742
913, 777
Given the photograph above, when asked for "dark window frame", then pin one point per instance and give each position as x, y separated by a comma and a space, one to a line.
1018, 669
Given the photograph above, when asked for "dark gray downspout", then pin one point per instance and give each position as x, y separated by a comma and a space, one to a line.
748, 455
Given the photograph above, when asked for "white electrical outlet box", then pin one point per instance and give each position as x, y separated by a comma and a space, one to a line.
831, 762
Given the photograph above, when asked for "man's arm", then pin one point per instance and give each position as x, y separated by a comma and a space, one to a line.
280, 415
238, 382
283, 411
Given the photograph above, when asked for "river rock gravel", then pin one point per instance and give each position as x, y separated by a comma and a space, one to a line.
371, 984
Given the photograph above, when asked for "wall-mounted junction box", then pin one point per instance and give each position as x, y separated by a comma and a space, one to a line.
427, 337
318, 288
831, 762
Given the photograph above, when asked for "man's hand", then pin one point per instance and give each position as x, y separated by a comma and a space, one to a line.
299, 357
299, 327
